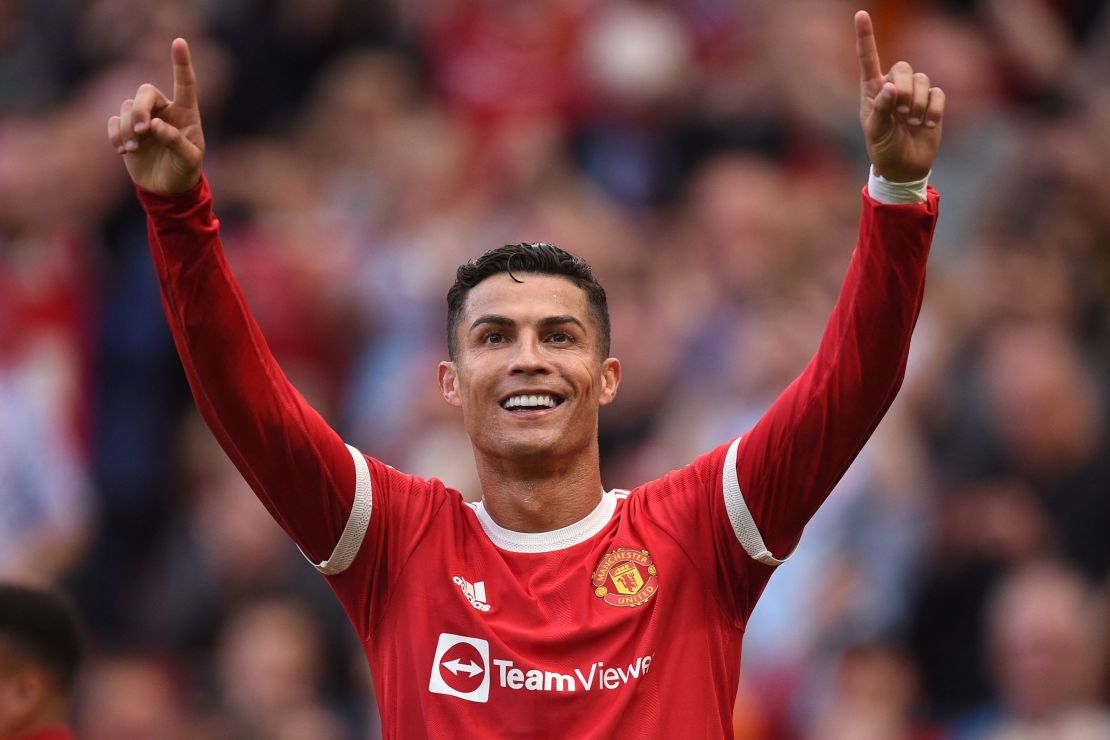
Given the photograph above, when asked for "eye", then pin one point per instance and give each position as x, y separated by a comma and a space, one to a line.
560, 337
493, 337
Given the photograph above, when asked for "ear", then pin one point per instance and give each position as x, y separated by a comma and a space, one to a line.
449, 382
610, 379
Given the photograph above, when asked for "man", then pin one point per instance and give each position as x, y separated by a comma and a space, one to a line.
1044, 627
40, 649
552, 607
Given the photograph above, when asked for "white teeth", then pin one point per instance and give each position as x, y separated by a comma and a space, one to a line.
529, 401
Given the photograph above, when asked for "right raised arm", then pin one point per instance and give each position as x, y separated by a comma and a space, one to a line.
296, 464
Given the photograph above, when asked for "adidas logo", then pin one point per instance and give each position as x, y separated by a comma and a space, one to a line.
475, 593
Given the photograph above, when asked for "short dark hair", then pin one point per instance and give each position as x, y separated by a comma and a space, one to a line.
536, 257
40, 626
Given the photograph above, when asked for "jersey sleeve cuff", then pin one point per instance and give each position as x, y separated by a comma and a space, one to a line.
740, 516
357, 523
897, 193
175, 204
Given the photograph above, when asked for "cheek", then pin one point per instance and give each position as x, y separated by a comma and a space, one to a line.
586, 373
590, 368
472, 384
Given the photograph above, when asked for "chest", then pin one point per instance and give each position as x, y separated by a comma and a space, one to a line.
622, 578
591, 640
586, 618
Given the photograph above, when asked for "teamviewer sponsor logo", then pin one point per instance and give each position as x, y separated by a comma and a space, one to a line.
461, 668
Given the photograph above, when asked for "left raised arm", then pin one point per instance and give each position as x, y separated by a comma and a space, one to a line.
788, 463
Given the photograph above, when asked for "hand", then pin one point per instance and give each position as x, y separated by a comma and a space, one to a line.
161, 140
900, 113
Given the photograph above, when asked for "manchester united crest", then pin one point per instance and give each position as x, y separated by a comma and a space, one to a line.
625, 577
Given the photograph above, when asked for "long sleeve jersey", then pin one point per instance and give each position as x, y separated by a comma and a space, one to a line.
626, 623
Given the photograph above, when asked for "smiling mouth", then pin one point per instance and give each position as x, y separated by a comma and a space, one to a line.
531, 402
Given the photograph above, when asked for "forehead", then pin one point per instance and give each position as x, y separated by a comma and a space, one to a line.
535, 297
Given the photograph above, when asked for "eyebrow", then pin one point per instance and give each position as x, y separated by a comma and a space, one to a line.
498, 320
491, 318
565, 319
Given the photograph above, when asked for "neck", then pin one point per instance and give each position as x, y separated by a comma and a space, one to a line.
540, 497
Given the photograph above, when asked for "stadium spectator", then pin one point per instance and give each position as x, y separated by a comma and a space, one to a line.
40, 653
876, 696
1047, 652
134, 695
270, 664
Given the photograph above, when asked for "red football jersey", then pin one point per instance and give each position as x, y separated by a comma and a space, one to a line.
620, 625
627, 623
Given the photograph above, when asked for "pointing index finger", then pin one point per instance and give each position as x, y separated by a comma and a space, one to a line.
869, 67
184, 79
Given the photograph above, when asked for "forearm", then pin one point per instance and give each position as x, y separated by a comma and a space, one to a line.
290, 457
789, 462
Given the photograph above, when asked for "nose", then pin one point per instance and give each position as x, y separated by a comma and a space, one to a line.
529, 358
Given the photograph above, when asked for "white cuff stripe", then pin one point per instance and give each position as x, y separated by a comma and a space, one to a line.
895, 193
357, 523
738, 514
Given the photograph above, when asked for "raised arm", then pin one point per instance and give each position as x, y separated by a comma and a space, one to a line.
296, 464
790, 461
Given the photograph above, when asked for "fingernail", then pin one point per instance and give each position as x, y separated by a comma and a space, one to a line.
930, 124
130, 146
915, 121
140, 127
903, 109
120, 149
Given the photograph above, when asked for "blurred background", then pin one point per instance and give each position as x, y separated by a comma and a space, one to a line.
705, 157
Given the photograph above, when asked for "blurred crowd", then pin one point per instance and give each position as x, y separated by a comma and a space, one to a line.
705, 156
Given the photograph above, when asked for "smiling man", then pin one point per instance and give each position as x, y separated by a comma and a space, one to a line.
528, 336
553, 607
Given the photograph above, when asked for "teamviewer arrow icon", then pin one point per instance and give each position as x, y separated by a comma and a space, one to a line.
460, 668
471, 669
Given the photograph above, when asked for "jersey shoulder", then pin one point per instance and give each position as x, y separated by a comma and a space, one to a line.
701, 476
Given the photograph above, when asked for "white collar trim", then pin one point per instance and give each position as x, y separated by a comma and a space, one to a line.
556, 539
